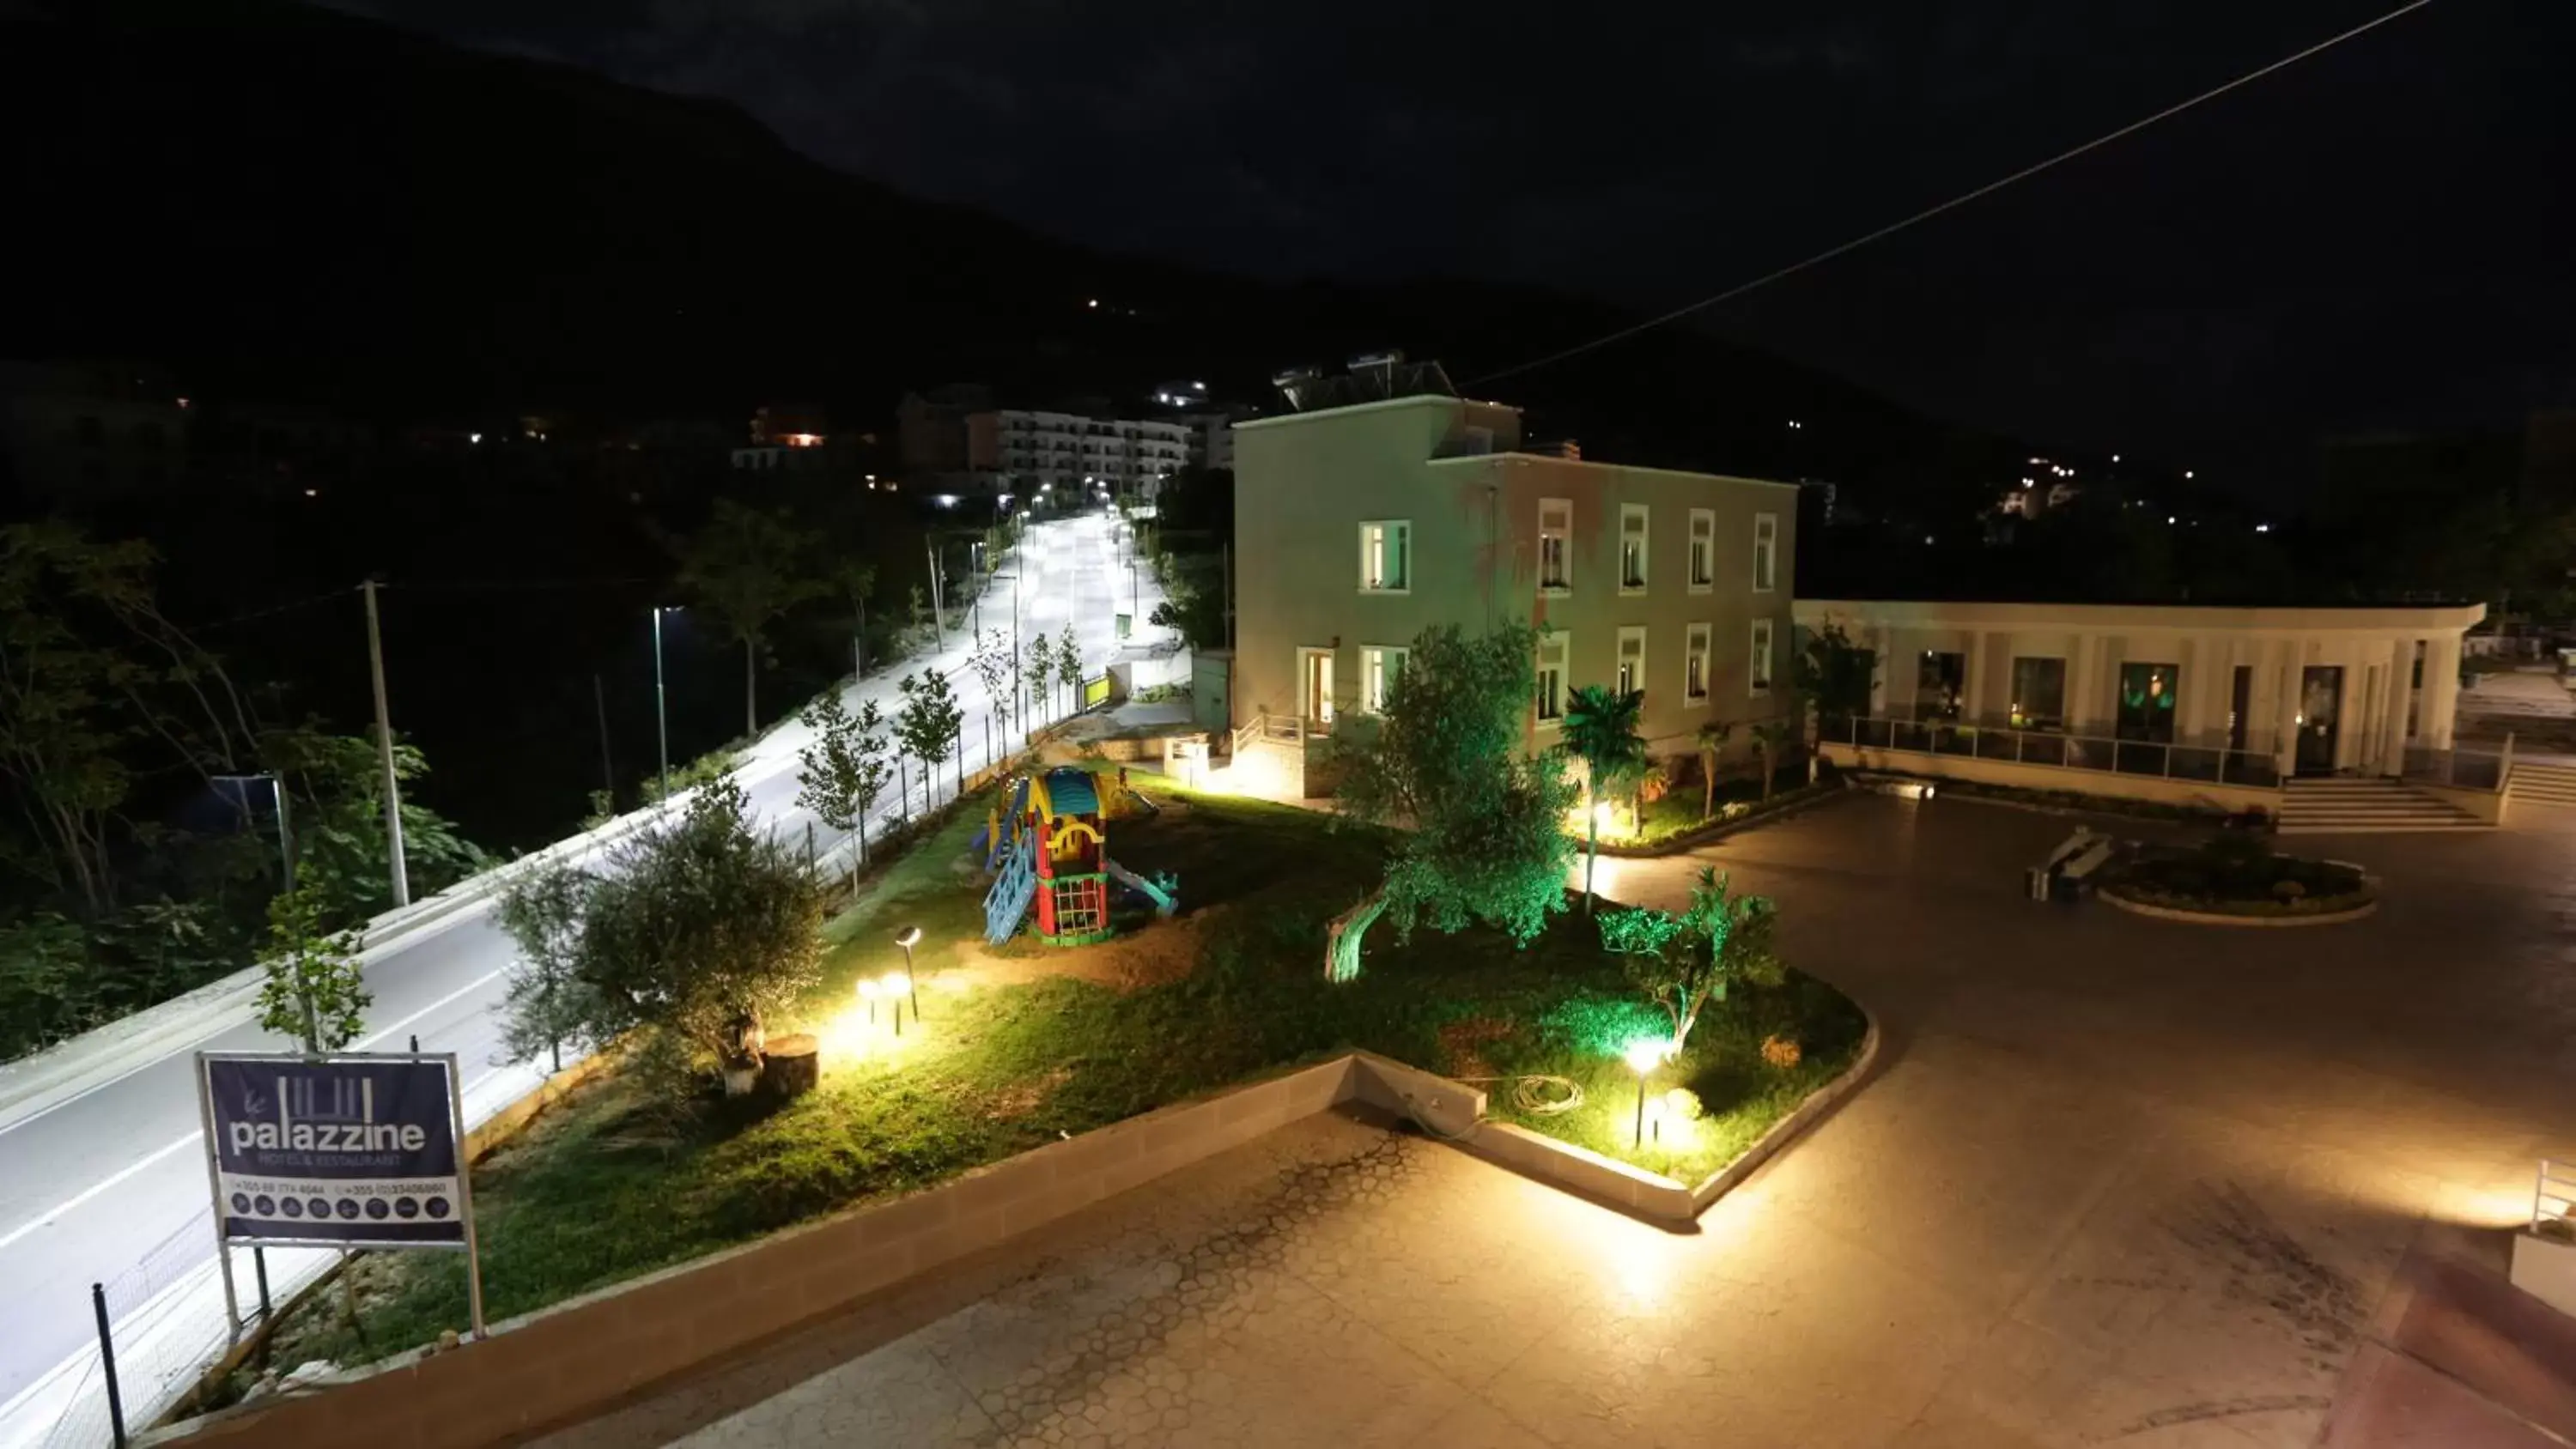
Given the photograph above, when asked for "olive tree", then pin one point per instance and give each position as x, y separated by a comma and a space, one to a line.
701, 933
1481, 819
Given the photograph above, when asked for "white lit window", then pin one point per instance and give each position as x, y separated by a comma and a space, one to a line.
1703, 549
1555, 545
1554, 648
1632, 659
1379, 666
1766, 551
1761, 672
1695, 665
1386, 561
1632, 548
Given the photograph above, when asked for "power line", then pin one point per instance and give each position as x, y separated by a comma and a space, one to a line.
1953, 203
275, 609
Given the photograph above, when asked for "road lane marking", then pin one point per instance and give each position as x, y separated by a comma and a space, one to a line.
426, 1010
46, 1218
198, 1134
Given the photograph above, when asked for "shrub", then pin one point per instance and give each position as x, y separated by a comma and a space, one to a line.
1781, 1052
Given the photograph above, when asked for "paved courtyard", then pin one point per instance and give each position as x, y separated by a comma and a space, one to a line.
2115, 1181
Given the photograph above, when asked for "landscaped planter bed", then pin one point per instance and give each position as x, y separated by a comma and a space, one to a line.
1021, 1046
2237, 880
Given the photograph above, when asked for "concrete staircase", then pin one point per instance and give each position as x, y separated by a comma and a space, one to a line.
2337, 805
2543, 784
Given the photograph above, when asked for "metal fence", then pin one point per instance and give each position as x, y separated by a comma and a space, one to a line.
2214, 765
2461, 769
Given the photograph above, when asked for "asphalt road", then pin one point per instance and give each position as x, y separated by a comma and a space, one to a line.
90, 1186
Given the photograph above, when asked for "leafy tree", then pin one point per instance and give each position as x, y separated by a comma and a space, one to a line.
841, 773
1713, 736
995, 667
549, 1003
1833, 673
855, 582
316, 990
1068, 663
1681, 963
928, 724
744, 565
1601, 731
98, 694
1193, 597
1041, 672
337, 784
701, 933
1770, 738
1484, 821
50, 985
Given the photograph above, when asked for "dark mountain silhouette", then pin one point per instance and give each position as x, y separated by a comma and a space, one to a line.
291, 202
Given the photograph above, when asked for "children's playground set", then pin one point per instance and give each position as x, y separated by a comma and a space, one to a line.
1047, 843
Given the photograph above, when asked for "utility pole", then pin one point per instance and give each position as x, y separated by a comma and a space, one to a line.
661, 704
938, 611
607, 771
385, 753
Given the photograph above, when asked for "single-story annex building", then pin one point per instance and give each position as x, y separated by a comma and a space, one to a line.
2234, 708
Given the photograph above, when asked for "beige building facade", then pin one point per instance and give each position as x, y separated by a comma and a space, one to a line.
1358, 527
2262, 694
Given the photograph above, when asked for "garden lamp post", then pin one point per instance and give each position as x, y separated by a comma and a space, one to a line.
868, 994
907, 938
892, 987
1642, 1054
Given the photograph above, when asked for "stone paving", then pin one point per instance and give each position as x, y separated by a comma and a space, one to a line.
2117, 1181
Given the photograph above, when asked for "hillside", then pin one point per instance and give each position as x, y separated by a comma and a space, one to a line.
297, 203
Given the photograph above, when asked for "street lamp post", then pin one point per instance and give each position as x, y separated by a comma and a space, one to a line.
277, 791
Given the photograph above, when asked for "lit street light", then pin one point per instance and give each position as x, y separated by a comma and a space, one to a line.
241, 799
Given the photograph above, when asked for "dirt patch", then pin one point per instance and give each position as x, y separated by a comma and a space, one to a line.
1151, 955
1463, 1044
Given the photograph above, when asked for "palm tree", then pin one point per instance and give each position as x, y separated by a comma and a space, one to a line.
1712, 743
1768, 737
1601, 731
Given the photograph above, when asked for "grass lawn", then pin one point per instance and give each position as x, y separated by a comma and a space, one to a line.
1025, 1043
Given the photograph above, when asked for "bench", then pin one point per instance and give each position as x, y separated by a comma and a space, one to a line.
2071, 864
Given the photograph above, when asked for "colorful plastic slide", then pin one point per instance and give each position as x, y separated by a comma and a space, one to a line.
1164, 894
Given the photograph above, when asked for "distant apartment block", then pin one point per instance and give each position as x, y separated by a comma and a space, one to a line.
1363, 520
1064, 450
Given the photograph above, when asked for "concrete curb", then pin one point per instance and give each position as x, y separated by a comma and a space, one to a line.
1452, 1112
2218, 918
1817, 1103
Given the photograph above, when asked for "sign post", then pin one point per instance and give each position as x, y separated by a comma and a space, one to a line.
350, 1150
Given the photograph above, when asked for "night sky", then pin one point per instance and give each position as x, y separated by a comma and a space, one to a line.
2379, 238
